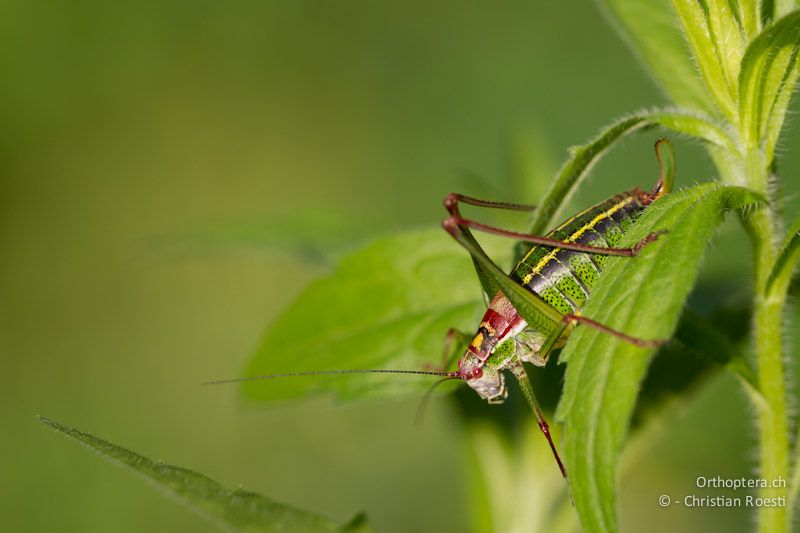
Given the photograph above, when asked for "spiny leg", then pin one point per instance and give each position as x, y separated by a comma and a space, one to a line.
491, 275
455, 218
574, 318
454, 198
527, 390
641, 343
525, 301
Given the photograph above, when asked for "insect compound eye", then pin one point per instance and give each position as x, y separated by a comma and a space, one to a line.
476, 372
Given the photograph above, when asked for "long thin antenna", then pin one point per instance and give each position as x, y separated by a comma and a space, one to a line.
328, 372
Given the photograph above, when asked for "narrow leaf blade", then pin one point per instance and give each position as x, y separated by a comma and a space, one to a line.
236, 510
728, 40
641, 296
750, 16
650, 28
582, 158
767, 79
707, 52
787, 259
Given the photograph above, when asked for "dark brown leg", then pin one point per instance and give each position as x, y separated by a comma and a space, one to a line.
642, 343
455, 219
453, 199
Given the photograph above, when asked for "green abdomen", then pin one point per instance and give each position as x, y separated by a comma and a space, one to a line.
565, 278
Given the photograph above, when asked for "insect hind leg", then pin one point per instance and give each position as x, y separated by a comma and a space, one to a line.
641, 343
455, 220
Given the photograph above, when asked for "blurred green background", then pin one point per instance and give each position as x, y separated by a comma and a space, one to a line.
151, 149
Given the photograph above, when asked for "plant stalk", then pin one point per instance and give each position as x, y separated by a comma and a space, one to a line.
772, 412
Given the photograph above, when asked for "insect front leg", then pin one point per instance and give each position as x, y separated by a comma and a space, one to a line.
454, 342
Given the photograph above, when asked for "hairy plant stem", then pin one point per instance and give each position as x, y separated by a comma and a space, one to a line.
762, 225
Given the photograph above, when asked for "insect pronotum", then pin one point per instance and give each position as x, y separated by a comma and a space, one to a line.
554, 279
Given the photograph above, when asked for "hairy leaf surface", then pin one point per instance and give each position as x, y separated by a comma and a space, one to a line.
767, 79
709, 51
787, 259
641, 296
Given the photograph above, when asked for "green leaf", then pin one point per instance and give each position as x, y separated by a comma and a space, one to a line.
775, 9
583, 157
650, 29
707, 341
767, 79
315, 234
231, 510
729, 39
750, 17
787, 259
714, 37
641, 296
388, 305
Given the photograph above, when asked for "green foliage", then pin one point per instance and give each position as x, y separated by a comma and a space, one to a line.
642, 296
230, 510
389, 304
768, 77
746, 52
315, 234
708, 34
583, 157
787, 259
410, 289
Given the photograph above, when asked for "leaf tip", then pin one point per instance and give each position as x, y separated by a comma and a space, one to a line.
47, 422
